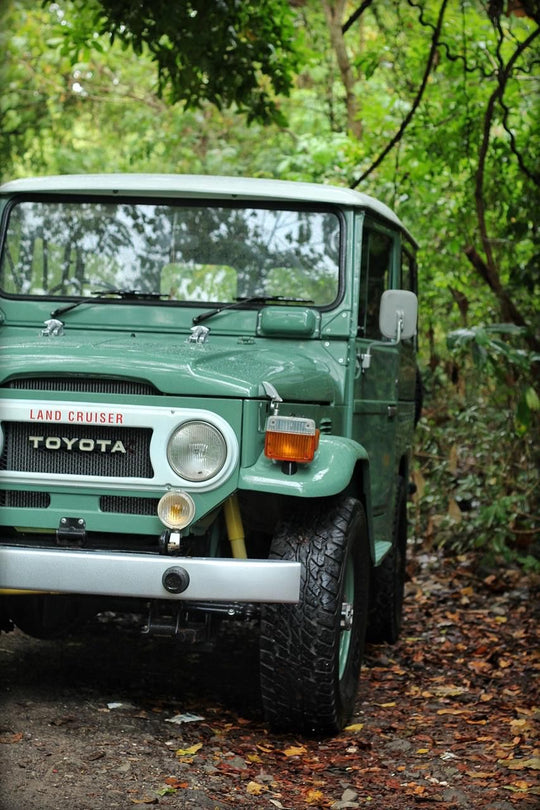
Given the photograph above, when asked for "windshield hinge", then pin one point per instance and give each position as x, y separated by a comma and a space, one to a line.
53, 328
199, 334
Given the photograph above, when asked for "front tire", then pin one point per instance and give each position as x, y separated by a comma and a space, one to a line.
311, 652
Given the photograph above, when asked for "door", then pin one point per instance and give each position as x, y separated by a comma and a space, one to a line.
375, 417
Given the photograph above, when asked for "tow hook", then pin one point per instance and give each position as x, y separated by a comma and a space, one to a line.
71, 532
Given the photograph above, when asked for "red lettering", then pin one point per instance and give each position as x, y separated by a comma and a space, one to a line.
101, 417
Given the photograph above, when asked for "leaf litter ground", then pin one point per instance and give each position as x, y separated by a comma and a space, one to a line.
445, 719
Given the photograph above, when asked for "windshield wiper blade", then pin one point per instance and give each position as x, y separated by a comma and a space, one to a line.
255, 299
123, 294
129, 294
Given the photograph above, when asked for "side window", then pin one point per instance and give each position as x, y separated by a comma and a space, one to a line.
375, 279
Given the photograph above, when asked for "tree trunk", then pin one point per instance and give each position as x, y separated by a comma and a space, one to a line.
334, 12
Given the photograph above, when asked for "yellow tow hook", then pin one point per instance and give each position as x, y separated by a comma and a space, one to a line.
235, 528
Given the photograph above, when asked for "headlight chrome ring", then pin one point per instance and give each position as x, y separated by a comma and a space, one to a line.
197, 451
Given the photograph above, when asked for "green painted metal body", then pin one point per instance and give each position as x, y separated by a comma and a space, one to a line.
309, 353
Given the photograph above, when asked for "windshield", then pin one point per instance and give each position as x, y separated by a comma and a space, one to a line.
192, 253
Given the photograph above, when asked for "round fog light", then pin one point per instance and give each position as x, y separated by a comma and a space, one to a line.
176, 509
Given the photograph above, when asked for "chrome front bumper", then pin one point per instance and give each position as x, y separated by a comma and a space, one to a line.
103, 573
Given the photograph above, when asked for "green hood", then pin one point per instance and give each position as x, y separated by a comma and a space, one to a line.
221, 367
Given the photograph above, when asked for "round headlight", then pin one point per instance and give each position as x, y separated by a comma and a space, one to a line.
197, 451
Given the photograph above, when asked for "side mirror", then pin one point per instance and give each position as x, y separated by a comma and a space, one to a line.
398, 314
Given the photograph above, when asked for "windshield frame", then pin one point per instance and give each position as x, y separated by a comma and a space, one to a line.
179, 202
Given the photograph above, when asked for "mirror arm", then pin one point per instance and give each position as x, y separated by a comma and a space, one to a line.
366, 358
399, 326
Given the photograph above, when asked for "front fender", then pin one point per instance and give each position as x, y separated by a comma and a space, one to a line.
328, 474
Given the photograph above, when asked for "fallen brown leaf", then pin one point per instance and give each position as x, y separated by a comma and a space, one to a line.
313, 796
255, 788
295, 751
187, 752
521, 764
12, 738
176, 783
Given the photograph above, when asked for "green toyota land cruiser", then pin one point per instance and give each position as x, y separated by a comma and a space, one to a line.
209, 392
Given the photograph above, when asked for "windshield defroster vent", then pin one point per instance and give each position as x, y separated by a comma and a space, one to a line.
96, 385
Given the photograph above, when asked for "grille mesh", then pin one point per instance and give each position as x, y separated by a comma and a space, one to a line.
126, 505
22, 454
24, 500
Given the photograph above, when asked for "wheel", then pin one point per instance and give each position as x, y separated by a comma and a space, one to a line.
388, 579
311, 652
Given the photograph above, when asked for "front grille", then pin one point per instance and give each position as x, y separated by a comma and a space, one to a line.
126, 505
107, 452
24, 500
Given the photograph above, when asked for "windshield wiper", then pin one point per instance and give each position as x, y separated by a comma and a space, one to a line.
255, 299
123, 294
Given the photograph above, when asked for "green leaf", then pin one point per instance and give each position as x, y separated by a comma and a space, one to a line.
532, 399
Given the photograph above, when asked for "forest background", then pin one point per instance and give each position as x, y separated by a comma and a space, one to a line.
428, 105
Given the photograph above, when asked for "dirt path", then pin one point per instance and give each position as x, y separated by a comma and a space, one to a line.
445, 720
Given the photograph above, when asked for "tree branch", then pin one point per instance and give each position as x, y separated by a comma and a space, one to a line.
509, 311
406, 121
533, 176
448, 53
504, 75
356, 15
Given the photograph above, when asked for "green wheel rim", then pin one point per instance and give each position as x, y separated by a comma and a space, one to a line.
347, 606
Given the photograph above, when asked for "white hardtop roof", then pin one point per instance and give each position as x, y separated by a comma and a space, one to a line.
203, 186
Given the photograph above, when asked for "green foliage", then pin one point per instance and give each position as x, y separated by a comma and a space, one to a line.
227, 52
513, 367
477, 460
30, 77
477, 485
438, 159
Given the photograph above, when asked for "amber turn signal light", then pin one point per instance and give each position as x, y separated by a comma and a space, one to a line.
291, 438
